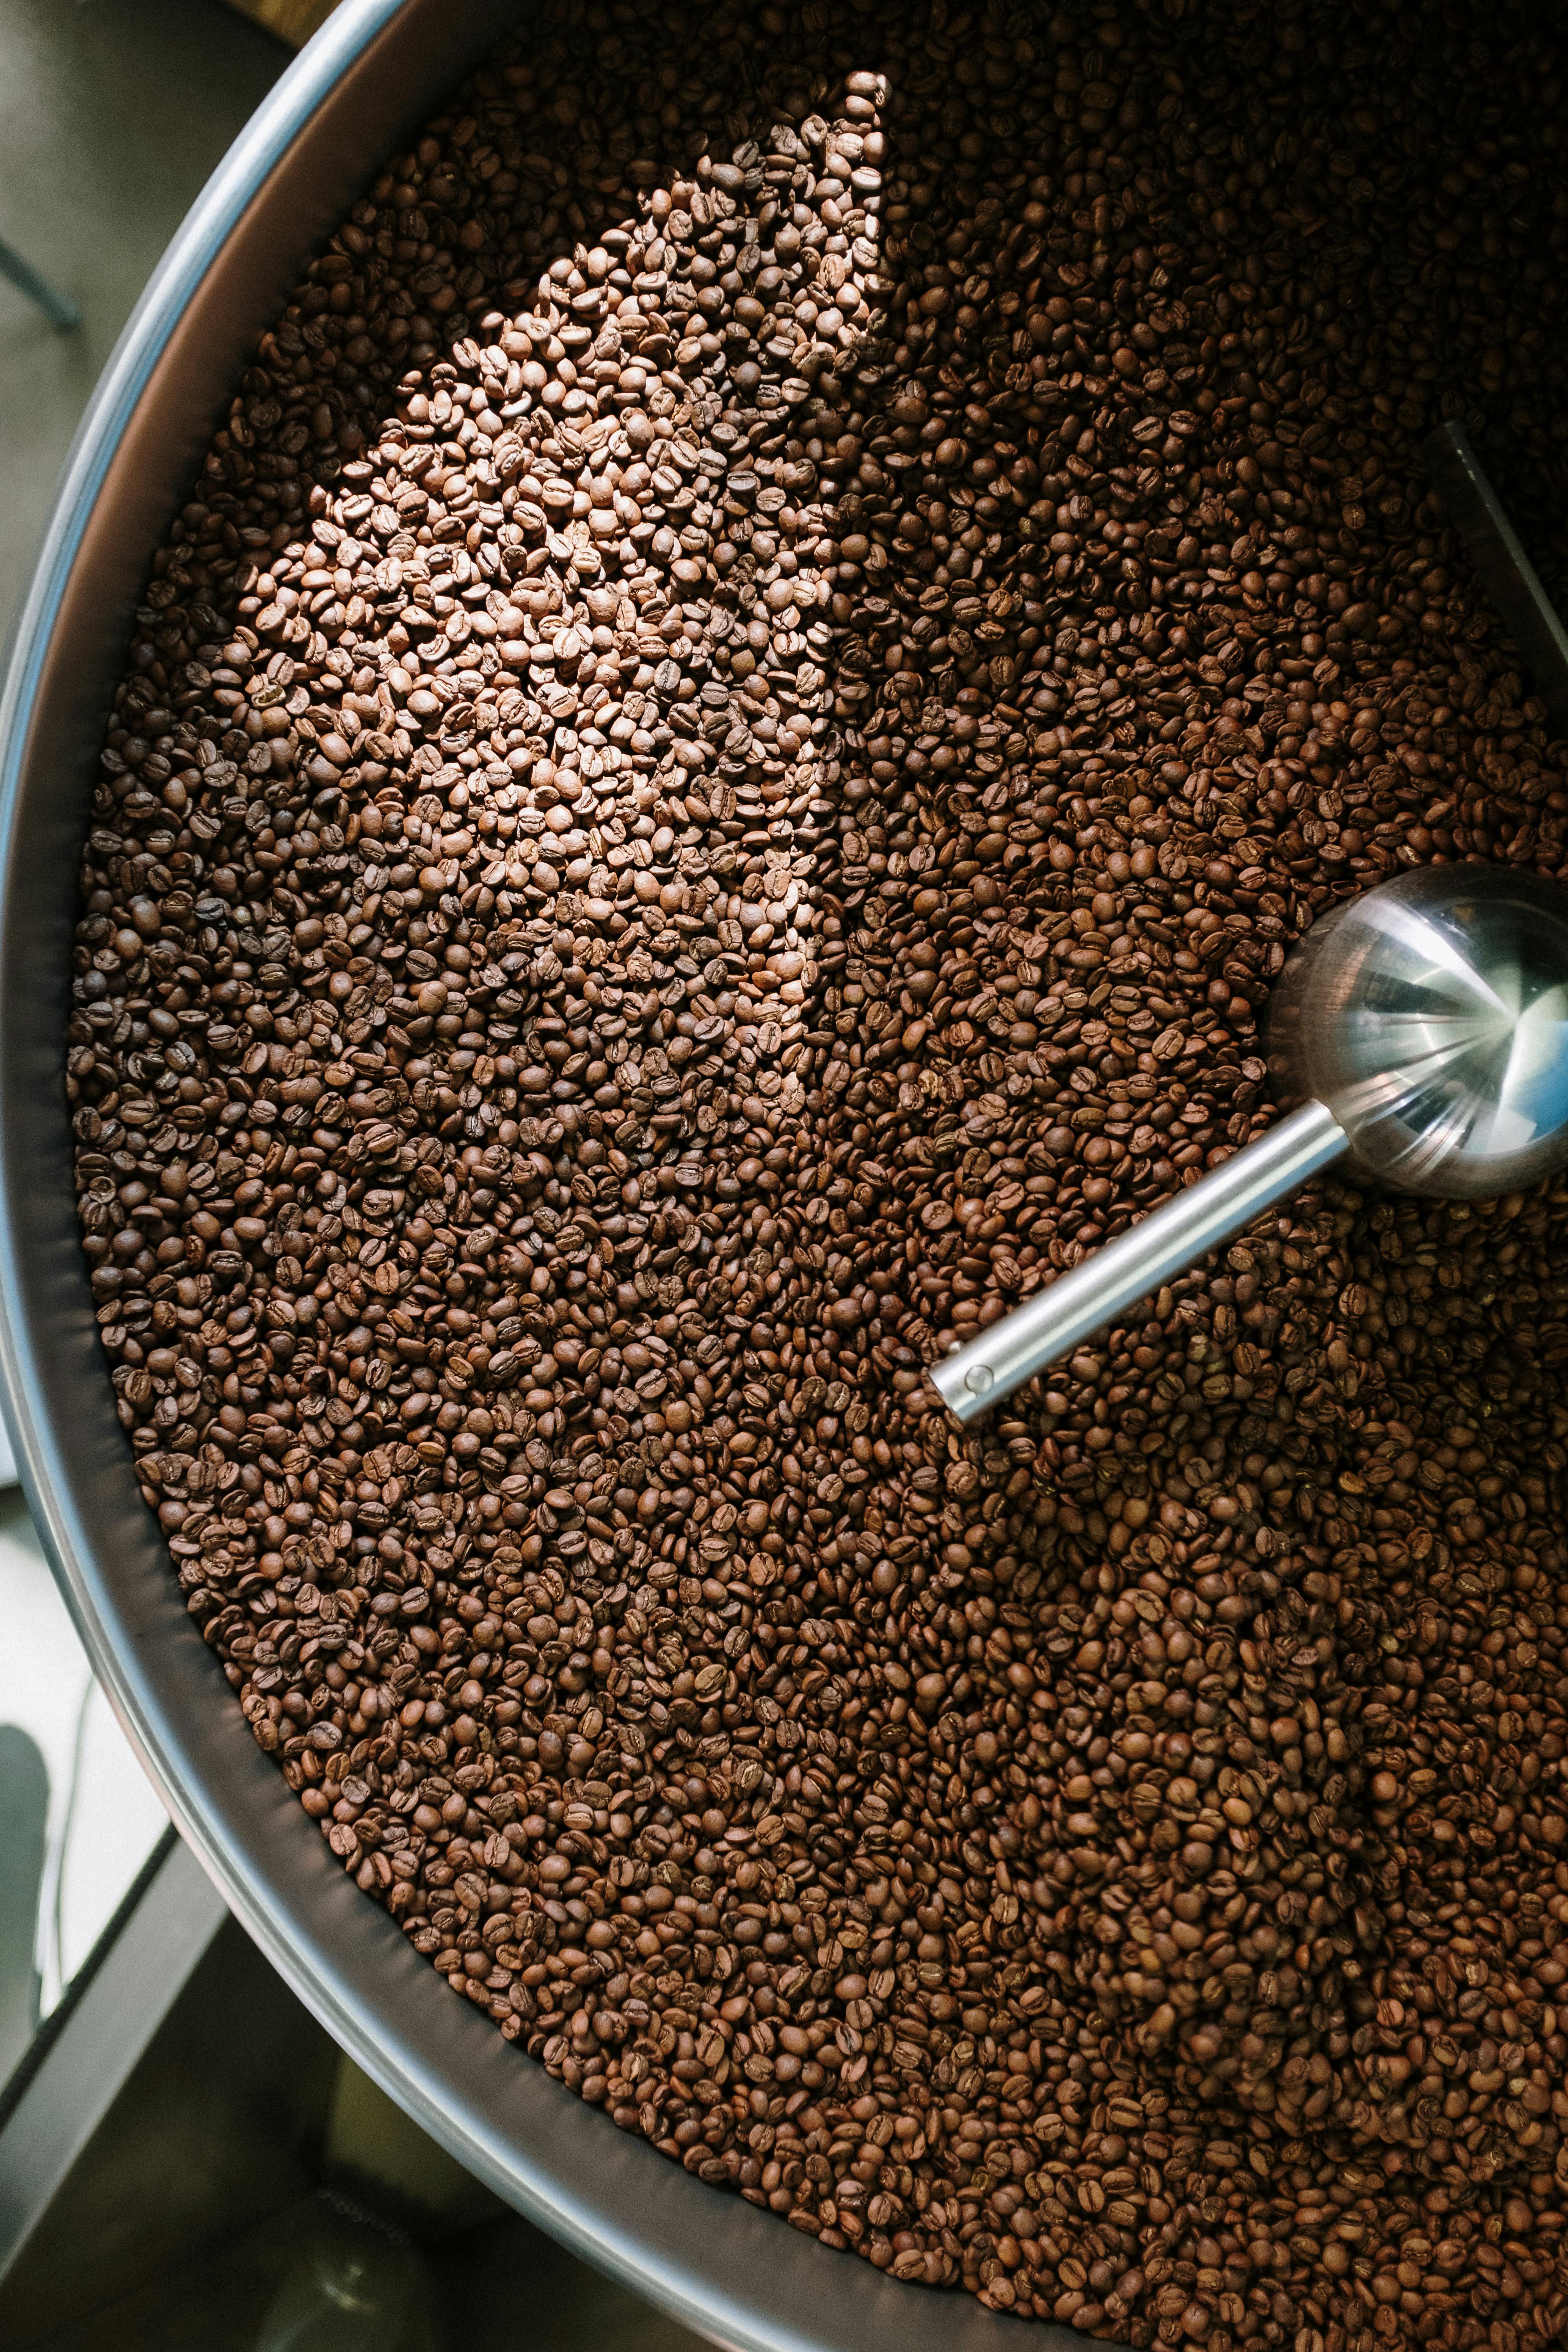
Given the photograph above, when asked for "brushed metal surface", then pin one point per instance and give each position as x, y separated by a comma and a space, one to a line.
740, 2277
1431, 1016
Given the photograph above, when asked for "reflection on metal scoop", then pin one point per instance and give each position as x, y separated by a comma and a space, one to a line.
1426, 1022
1429, 1017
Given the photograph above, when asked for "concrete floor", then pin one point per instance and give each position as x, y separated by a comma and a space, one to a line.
112, 113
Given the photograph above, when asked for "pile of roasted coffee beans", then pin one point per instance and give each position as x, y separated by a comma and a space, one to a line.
709, 787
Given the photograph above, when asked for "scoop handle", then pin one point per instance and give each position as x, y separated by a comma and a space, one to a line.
1166, 1243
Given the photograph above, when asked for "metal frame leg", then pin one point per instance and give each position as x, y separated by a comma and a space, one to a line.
57, 308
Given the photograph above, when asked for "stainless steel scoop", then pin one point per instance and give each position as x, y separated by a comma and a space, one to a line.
1425, 1024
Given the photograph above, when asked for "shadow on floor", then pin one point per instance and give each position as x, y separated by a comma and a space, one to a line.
250, 2190
112, 114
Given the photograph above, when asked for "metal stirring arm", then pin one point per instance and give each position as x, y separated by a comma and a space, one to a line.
1424, 1025
1133, 1267
1465, 1091
1506, 571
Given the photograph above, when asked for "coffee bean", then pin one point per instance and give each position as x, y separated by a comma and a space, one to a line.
707, 793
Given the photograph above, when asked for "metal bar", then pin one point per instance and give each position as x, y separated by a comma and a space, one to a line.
1506, 571
88, 2053
58, 307
976, 1377
24, 1846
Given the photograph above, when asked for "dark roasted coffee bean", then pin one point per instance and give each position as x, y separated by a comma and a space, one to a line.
709, 792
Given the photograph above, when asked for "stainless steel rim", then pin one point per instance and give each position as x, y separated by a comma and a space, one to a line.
714, 2263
